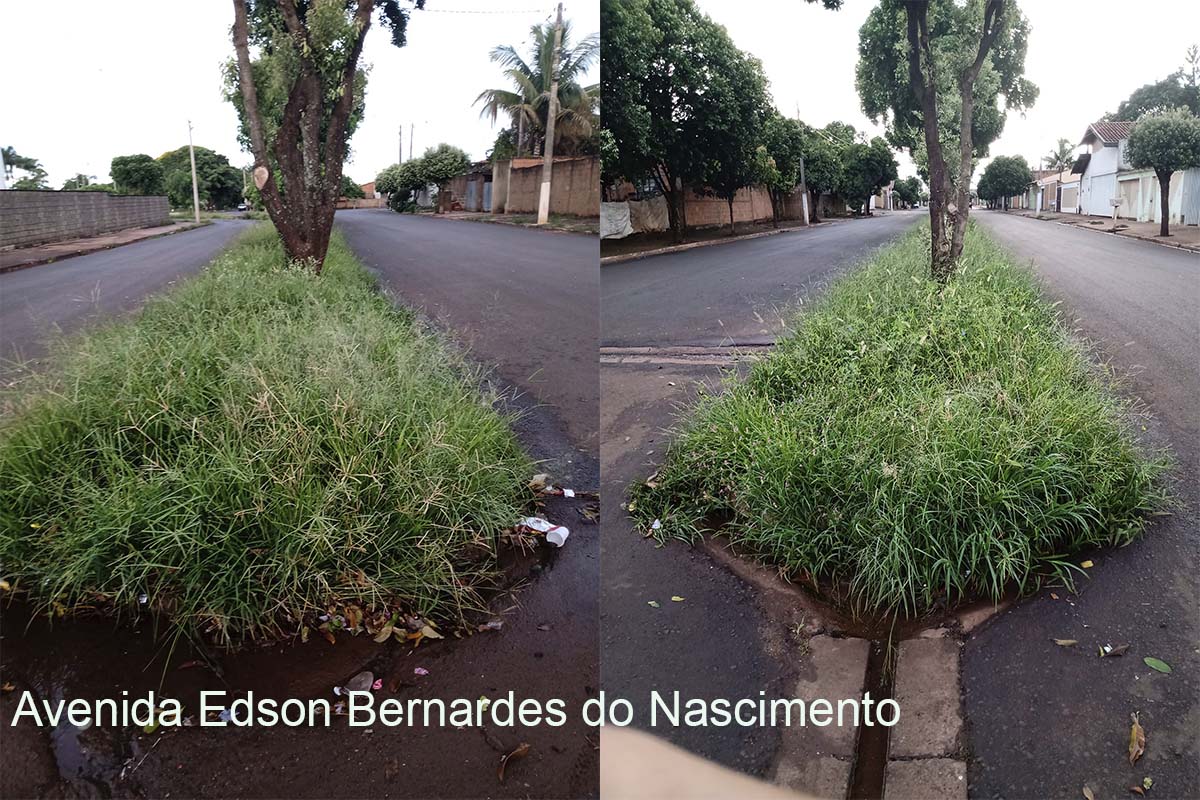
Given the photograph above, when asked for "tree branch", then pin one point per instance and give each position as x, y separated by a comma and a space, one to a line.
335, 135
269, 191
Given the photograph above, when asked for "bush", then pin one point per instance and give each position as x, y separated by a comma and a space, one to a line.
913, 446
258, 446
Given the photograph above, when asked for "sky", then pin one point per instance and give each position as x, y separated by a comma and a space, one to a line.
1085, 58
117, 78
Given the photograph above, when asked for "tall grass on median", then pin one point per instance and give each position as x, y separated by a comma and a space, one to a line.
258, 445
912, 445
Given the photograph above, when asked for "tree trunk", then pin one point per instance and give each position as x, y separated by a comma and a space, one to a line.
1164, 192
813, 196
731, 229
776, 201
1058, 199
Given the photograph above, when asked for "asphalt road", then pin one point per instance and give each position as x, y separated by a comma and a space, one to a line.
38, 302
1047, 720
738, 292
728, 638
523, 300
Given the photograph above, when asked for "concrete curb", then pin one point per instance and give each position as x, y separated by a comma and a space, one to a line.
525, 225
678, 248
84, 250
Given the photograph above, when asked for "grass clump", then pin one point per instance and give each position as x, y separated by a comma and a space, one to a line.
257, 446
914, 446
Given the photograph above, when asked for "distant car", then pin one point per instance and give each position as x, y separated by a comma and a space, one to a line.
243, 207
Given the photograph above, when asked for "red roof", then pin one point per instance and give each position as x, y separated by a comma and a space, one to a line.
1108, 132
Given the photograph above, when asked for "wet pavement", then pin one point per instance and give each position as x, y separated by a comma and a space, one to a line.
666, 319
1044, 720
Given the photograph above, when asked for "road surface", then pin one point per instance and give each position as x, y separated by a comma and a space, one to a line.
37, 302
1047, 720
523, 300
724, 639
737, 292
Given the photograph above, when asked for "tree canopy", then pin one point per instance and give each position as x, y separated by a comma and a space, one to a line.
866, 169
1165, 142
1004, 177
138, 174
219, 182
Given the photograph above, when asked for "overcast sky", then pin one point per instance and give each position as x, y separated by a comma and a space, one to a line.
1085, 57
115, 78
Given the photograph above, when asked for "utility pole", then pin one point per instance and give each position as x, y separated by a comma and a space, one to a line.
195, 186
401, 161
412, 128
548, 162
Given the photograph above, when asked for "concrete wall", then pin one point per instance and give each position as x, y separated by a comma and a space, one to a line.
752, 204
30, 218
574, 188
360, 202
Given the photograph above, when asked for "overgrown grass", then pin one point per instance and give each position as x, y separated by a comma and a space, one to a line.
915, 446
258, 446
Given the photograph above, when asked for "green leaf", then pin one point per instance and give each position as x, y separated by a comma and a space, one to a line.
1158, 664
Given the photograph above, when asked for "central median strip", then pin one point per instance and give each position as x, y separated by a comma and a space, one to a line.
260, 451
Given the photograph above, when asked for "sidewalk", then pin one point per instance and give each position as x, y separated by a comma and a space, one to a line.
21, 258
1186, 237
558, 222
658, 243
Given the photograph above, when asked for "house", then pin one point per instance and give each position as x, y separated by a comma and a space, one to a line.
369, 190
471, 191
1046, 192
1107, 178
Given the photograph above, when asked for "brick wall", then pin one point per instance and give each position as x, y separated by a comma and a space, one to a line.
574, 187
29, 218
752, 204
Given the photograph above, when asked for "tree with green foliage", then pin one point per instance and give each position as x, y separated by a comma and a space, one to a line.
77, 182
218, 181
402, 182
610, 162
351, 190
298, 104
1005, 177
941, 76
732, 161
527, 103
866, 169
504, 148
781, 152
908, 190
823, 149
442, 164
138, 174
1165, 143
14, 161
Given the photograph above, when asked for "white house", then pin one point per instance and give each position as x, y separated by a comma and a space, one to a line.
1105, 176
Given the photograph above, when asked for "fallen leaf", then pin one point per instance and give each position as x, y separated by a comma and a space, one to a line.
1147, 782
1066, 642
1138, 790
354, 617
7, 687
1158, 664
329, 637
1108, 651
429, 633
543, 627
652, 603
1137, 739
5, 585
676, 598
539, 482
1087, 792
521, 751
304, 631
1087, 565
384, 633
1053, 596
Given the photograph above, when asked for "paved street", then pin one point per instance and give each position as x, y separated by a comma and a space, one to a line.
732, 293
63, 296
729, 638
1046, 720
523, 300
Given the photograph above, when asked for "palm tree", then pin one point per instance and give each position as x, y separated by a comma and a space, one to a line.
1059, 159
527, 103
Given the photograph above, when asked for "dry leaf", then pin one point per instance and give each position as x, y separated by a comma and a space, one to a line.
1137, 739
428, 632
521, 751
1087, 792
384, 633
1087, 565
1066, 642
1138, 790
1108, 651
676, 598
7, 687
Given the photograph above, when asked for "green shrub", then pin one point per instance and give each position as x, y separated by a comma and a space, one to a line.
913, 446
257, 446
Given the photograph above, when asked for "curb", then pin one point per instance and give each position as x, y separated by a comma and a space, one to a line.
678, 248
83, 251
525, 225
